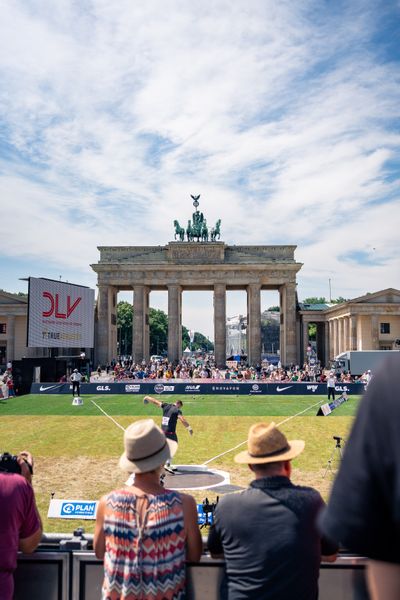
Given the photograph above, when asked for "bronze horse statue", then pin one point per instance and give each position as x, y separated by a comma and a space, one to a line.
216, 231
179, 231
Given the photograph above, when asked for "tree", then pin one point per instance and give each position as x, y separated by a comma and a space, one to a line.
158, 323
315, 300
200, 341
124, 327
340, 300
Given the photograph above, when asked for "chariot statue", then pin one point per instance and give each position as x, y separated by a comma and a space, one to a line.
197, 229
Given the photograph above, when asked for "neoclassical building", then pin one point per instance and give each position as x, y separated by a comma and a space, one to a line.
370, 322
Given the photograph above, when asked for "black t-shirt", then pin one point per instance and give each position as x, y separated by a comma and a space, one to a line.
363, 513
269, 538
170, 417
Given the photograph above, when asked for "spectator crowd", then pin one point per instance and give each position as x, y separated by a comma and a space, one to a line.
203, 368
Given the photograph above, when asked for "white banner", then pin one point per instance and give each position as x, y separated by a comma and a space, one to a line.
72, 509
60, 315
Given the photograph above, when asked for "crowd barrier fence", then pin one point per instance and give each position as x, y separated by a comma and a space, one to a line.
77, 575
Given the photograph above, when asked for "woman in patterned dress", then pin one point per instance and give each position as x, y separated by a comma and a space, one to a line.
145, 532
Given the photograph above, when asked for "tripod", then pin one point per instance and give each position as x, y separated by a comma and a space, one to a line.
336, 454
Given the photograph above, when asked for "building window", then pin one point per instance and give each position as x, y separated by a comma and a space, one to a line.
3, 327
385, 327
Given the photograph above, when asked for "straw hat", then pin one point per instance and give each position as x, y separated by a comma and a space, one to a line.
266, 444
146, 447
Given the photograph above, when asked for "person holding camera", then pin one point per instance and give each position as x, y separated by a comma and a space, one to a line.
268, 533
20, 522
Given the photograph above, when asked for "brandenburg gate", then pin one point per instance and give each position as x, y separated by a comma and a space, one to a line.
195, 265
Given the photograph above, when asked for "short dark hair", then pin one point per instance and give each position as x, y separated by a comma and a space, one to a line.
179, 402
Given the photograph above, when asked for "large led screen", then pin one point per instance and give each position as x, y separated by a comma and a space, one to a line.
60, 315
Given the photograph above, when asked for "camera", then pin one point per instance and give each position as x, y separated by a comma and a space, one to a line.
9, 463
209, 507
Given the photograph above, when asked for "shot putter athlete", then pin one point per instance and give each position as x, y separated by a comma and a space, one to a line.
171, 414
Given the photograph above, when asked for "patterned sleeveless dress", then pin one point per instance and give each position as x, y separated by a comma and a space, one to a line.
144, 561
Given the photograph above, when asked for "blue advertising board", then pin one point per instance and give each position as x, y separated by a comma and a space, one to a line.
227, 387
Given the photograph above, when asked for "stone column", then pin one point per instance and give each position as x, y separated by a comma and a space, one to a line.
375, 332
289, 323
10, 338
340, 328
305, 339
220, 324
335, 337
174, 323
331, 334
327, 353
282, 326
346, 344
254, 324
353, 332
146, 325
104, 305
138, 330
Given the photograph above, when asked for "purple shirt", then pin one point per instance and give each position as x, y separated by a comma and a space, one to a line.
18, 520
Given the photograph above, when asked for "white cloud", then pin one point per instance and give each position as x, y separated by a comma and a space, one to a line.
283, 116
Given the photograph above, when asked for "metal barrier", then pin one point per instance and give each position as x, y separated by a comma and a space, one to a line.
78, 575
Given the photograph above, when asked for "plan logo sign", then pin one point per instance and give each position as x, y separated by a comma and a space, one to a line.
72, 509
60, 315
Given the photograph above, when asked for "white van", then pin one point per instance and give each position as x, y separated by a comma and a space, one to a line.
156, 358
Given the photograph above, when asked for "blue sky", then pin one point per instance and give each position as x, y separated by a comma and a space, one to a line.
284, 116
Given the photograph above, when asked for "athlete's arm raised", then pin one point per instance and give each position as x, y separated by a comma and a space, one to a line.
148, 399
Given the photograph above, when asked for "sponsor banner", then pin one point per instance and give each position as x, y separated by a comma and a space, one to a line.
72, 509
132, 388
326, 409
60, 315
227, 387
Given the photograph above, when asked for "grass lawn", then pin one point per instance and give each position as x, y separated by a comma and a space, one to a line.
76, 448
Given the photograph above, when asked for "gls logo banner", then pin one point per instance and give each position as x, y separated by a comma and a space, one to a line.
103, 388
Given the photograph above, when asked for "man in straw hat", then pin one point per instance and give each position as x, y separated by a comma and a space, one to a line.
145, 532
267, 533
